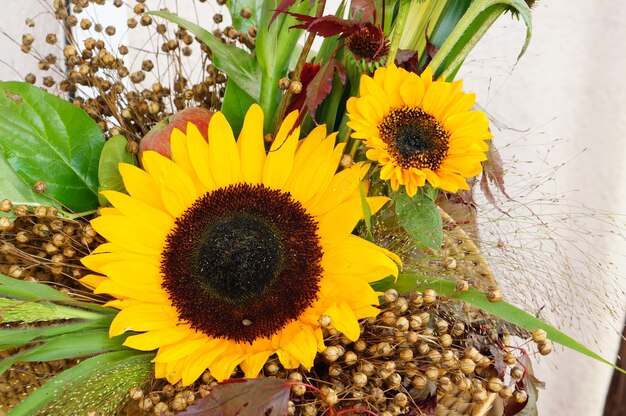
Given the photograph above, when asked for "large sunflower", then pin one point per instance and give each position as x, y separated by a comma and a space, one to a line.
226, 255
418, 129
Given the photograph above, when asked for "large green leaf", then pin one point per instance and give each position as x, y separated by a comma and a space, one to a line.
113, 153
44, 138
419, 217
503, 310
21, 289
16, 190
99, 384
240, 66
235, 106
239, 22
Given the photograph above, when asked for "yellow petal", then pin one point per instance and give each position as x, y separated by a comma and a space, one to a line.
180, 350
92, 280
341, 186
251, 146
343, 319
140, 185
279, 162
339, 223
223, 368
198, 149
139, 211
358, 257
152, 340
200, 360
300, 343
128, 234
142, 317
224, 160
180, 155
177, 189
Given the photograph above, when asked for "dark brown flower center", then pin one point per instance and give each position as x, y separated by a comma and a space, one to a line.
368, 43
242, 262
414, 138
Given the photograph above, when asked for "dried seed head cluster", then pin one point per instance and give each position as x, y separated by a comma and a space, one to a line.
412, 357
36, 244
126, 88
21, 379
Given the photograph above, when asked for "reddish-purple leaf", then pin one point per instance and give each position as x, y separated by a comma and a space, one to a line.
324, 26
309, 71
322, 83
244, 397
283, 6
367, 7
407, 59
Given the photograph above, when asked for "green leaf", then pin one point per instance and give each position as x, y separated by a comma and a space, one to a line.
275, 46
23, 336
367, 212
18, 191
235, 106
15, 310
44, 138
420, 218
236, 6
99, 384
502, 310
470, 29
240, 66
113, 153
21, 289
68, 346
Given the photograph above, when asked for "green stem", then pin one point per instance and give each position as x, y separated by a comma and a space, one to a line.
284, 103
73, 216
398, 29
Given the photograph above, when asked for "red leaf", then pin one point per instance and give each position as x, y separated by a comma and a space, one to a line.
309, 71
407, 59
283, 6
244, 397
366, 6
324, 26
321, 85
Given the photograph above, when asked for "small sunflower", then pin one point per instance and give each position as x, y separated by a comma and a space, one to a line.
418, 129
226, 254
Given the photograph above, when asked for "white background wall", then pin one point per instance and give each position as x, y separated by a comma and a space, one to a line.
562, 110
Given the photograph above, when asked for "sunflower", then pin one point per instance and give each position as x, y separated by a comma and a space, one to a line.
418, 129
226, 255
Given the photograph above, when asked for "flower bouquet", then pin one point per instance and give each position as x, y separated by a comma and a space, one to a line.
282, 235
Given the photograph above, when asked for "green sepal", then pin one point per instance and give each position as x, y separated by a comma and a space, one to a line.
109, 177
99, 384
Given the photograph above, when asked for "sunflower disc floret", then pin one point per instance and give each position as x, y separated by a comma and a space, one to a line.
419, 130
227, 254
